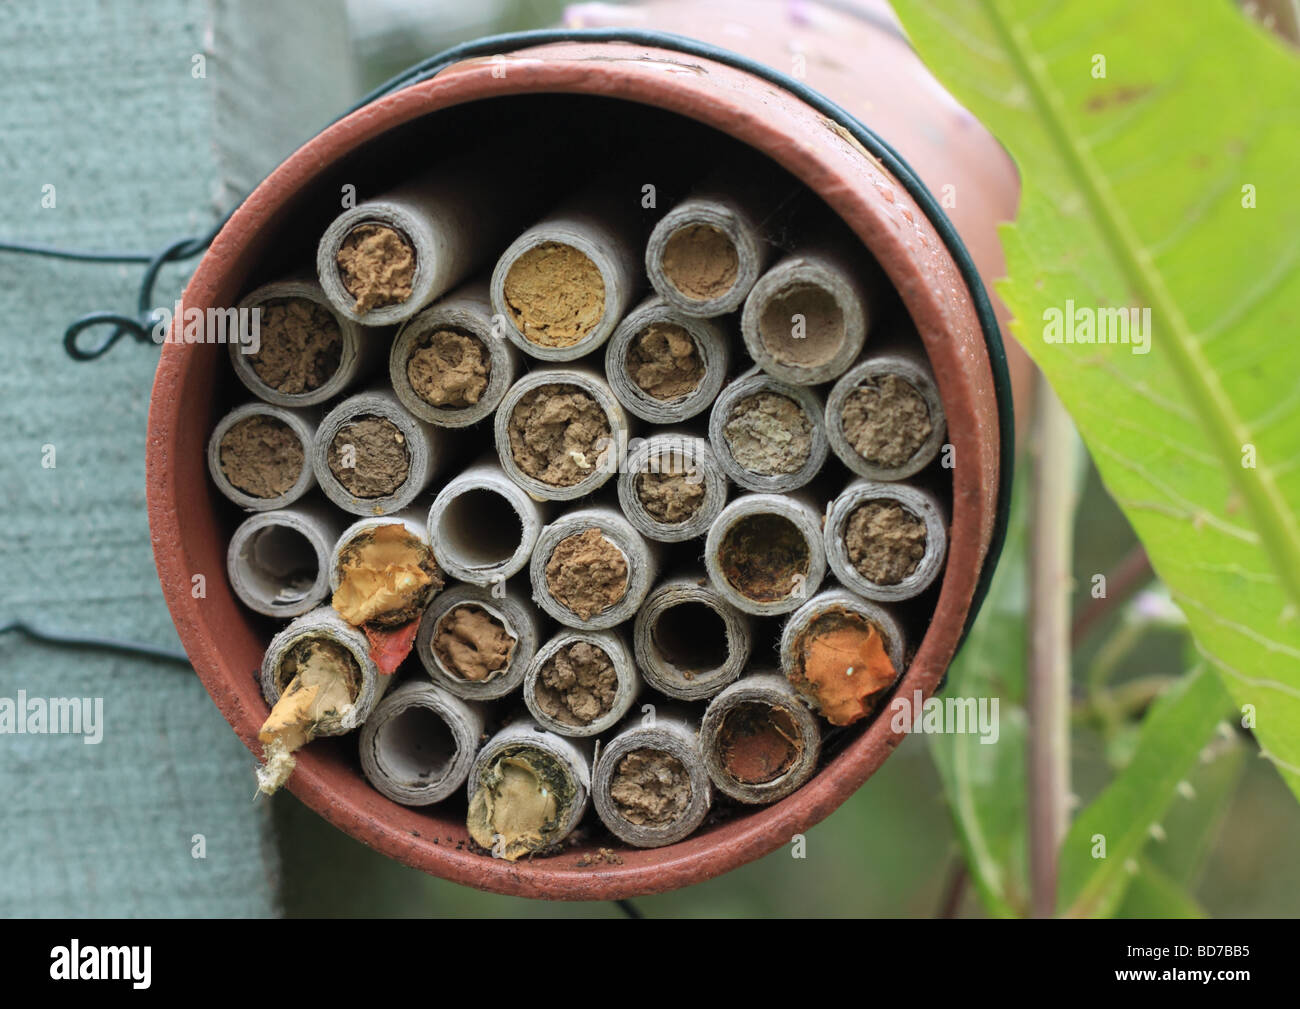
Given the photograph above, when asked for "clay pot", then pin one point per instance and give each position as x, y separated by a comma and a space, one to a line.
875, 76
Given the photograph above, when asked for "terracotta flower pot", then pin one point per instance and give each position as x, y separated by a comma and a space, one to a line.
874, 75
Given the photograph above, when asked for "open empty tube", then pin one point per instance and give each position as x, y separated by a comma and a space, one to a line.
562, 286
278, 562
383, 260
650, 786
448, 365
768, 435
884, 417
483, 526
581, 683
759, 740
765, 553
478, 643
671, 488
689, 641
665, 366
559, 432
259, 456
705, 254
319, 679
371, 457
591, 569
843, 654
528, 790
307, 352
886, 541
806, 319
418, 744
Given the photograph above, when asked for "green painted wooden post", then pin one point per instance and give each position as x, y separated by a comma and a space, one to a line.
124, 126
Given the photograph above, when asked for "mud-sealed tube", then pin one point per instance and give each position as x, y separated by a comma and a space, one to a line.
308, 352
671, 487
884, 417
886, 541
768, 435
259, 456
371, 457
278, 562
759, 740
650, 786
843, 654
477, 643
806, 319
591, 569
560, 432
450, 365
765, 553
483, 526
688, 640
581, 683
665, 366
528, 790
419, 743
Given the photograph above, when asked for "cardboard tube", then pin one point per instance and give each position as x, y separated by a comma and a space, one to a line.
453, 221
759, 740
599, 225
508, 608
765, 439
484, 526
671, 739
422, 441
467, 312
751, 566
627, 683
357, 352
419, 743
711, 349
559, 765
689, 641
667, 453
301, 424
639, 555
708, 232
806, 319
606, 450
899, 377
825, 634
916, 503
278, 562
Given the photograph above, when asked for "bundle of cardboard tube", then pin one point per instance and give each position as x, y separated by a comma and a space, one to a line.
561, 509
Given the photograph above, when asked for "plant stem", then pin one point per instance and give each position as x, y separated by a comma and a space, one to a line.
1124, 579
1054, 496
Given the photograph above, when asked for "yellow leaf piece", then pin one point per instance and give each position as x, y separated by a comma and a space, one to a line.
383, 573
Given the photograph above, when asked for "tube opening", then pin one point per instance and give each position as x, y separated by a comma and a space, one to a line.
376, 266
886, 421
701, 262
369, 456
587, 573
759, 742
262, 456
764, 557
650, 788
559, 434
885, 541
664, 362
691, 637
802, 325
472, 643
769, 434
279, 564
416, 746
480, 528
449, 368
577, 684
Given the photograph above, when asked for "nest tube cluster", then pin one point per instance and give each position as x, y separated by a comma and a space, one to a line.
639, 517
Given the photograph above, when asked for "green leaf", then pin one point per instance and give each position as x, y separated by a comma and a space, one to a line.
1174, 733
985, 782
1135, 193
1153, 894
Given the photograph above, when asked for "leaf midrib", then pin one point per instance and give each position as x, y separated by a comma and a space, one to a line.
1227, 432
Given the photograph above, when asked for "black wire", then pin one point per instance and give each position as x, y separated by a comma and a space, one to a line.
890, 159
64, 639
629, 909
